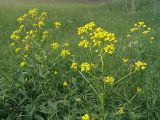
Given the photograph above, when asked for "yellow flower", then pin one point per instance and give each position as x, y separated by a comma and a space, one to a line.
125, 60
96, 51
35, 25
55, 72
31, 32
14, 37
85, 28
41, 24
66, 44
17, 50
93, 65
33, 12
135, 25
145, 32
25, 56
120, 111
85, 67
25, 16
12, 44
19, 30
65, 53
109, 80
96, 43
144, 26
22, 64
44, 14
54, 45
141, 23
101, 34
139, 90
128, 36
74, 66
45, 34
21, 27
57, 24
86, 117
65, 83
20, 19
27, 37
140, 65
26, 47
109, 49
133, 29
78, 99
23, 41
83, 43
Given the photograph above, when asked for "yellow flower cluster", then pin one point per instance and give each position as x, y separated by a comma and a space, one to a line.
12, 44
85, 117
22, 64
109, 80
57, 24
139, 30
97, 38
64, 49
26, 47
100, 33
33, 12
45, 34
83, 43
139, 90
125, 60
140, 26
24, 37
85, 67
65, 53
86, 28
65, 83
15, 35
109, 49
74, 66
54, 45
17, 50
140, 65
66, 44
23, 18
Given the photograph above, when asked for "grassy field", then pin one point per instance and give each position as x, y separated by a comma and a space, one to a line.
48, 87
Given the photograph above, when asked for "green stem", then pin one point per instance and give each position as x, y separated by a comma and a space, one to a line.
125, 76
102, 66
101, 96
89, 83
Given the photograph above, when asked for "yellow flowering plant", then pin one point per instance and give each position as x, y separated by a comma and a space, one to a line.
137, 38
54, 68
29, 33
101, 44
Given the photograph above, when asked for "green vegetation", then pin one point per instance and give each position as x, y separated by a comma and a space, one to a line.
44, 85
